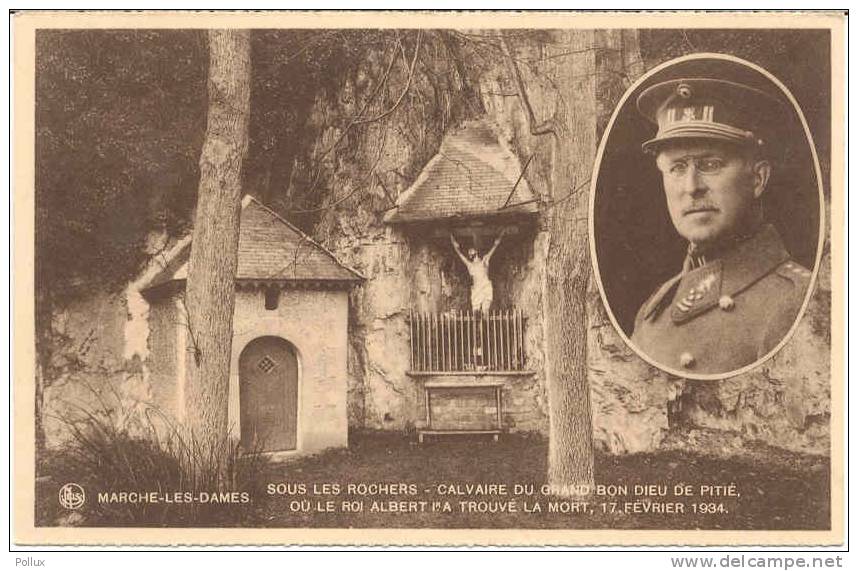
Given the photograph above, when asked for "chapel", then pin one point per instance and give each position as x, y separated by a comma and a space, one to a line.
287, 386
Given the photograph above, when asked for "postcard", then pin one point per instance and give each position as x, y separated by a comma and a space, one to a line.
429, 278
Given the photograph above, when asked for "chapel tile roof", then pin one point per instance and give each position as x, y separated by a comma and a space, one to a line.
471, 176
269, 248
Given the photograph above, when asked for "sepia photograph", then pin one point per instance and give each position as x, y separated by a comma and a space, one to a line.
428, 279
725, 197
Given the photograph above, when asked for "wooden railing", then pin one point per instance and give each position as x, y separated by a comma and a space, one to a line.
468, 341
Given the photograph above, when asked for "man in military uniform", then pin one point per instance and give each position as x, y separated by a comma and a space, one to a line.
738, 293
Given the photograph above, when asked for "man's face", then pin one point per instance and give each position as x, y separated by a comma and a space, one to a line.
710, 188
472, 253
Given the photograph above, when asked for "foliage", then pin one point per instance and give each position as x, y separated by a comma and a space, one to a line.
114, 448
119, 124
121, 115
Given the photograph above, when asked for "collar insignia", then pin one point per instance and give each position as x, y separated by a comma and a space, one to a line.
697, 291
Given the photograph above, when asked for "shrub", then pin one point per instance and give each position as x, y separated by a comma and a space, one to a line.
197, 481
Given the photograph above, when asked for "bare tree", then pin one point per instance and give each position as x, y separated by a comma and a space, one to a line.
210, 295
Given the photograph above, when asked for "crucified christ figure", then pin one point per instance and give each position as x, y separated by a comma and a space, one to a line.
478, 268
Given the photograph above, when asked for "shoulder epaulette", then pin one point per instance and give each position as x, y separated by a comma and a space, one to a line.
793, 271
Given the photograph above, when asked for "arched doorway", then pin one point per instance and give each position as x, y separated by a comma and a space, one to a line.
268, 395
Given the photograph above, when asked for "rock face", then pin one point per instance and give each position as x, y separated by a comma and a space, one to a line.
89, 373
629, 398
409, 274
786, 401
380, 393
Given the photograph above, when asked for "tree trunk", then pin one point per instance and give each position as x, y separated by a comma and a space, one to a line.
210, 294
44, 312
584, 79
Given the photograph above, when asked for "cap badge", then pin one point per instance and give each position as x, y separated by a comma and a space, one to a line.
684, 90
689, 113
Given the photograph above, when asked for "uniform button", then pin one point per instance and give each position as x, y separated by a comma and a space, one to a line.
686, 360
726, 302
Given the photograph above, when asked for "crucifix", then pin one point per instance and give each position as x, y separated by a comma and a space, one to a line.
482, 292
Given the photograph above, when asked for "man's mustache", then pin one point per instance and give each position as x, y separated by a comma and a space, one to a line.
699, 207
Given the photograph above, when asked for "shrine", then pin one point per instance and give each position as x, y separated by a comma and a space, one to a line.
473, 205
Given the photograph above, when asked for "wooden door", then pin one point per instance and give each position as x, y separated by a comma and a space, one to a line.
268, 395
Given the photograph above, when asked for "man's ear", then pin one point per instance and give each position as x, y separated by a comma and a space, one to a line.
762, 171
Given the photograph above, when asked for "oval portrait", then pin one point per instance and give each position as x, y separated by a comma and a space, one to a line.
706, 214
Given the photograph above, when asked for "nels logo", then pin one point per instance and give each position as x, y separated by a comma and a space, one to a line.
72, 496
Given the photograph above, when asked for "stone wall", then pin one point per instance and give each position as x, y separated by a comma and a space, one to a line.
166, 330
89, 375
522, 407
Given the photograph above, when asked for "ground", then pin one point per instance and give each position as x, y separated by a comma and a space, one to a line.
772, 489
777, 489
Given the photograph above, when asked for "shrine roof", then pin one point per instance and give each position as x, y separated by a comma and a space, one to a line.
269, 249
471, 176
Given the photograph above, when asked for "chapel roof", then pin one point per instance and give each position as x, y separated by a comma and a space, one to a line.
471, 176
270, 248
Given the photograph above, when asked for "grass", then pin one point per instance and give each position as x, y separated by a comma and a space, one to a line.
112, 451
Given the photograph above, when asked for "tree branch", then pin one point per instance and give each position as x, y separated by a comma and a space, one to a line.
518, 180
356, 120
404, 91
547, 126
357, 186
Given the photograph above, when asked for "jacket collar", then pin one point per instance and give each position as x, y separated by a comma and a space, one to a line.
752, 260
737, 269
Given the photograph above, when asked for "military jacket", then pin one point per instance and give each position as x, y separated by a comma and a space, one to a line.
727, 313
